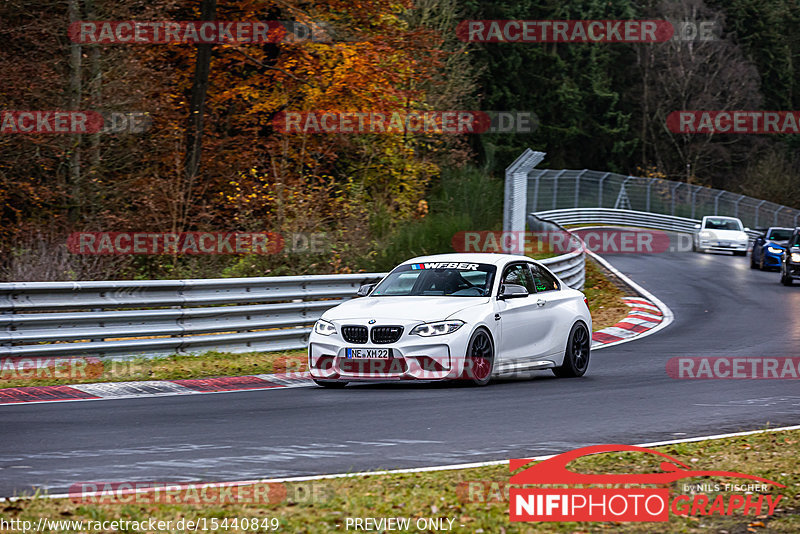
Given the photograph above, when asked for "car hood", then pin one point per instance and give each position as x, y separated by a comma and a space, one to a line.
781, 244
402, 308
730, 235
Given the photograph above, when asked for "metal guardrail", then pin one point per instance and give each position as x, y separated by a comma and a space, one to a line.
569, 267
153, 317
161, 317
620, 217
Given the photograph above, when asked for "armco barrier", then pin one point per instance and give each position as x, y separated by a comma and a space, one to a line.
157, 317
151, 317
621, 217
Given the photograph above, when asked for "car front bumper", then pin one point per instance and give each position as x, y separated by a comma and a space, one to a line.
793, 270
772, 259
413, 358
723, 246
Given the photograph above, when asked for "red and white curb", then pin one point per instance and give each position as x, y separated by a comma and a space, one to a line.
643, 316
646, 308
151, 388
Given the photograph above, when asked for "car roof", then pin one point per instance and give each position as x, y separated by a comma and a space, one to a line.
721, 217
475, 257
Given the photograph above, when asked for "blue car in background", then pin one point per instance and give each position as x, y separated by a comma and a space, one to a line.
769, 247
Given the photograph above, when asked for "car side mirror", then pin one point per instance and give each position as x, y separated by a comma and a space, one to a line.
696, 226
512, 291
747, 229
365, 290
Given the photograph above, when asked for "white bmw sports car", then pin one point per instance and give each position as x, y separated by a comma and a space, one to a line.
454, 316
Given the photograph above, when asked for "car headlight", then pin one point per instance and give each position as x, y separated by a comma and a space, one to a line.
775, 250
706, 234
795, 257
438, 328
324, 328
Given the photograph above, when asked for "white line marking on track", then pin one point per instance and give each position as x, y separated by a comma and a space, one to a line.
440, 467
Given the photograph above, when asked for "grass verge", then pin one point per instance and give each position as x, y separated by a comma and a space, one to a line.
605, 297
324, 505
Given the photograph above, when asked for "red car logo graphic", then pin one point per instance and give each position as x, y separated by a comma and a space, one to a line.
554, 470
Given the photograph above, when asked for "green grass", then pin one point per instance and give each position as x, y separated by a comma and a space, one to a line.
605, 298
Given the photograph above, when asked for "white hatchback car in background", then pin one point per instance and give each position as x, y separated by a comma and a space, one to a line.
454, 316
721, 234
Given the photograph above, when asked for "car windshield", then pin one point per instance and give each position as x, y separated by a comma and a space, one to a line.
450, 279
723, 224
780, 234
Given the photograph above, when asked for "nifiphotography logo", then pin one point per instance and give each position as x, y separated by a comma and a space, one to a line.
625, 503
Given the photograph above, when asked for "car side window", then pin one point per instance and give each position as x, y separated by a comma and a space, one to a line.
519, 274
543, 280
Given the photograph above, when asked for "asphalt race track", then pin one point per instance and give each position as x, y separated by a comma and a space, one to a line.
721, 308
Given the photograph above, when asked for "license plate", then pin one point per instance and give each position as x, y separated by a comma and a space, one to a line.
376, 354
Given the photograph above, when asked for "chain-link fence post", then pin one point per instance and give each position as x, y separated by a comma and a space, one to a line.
755, 224
578, 188
536, 194
716, 202
600, 190
736, 206
673, 189
555, 188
